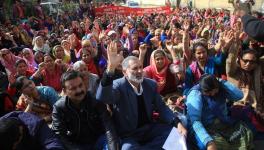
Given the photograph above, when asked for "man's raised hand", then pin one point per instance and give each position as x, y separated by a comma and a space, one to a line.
114, 56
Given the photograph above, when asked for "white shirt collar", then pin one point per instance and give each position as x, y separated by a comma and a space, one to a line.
135, 89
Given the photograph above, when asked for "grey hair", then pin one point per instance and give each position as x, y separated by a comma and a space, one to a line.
78, 64
126, 60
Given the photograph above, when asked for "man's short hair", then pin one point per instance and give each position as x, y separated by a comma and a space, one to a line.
126, 61
78, 64
69, 75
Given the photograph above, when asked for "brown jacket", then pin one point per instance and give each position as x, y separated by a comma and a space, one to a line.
252, 96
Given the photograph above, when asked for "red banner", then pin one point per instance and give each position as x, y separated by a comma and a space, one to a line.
121, 10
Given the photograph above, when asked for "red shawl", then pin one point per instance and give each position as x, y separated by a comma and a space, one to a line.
152, 72
92, 67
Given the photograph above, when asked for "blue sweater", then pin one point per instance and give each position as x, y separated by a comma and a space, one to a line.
203, 110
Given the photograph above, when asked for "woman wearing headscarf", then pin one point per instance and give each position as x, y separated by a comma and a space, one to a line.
49, 72
8, 59
29, 57
22, 69
58, 53
66, 46
39, 58
167, 75
87, 54
132, 41
40, 45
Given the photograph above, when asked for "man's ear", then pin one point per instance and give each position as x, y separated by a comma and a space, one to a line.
64, 90
124, 73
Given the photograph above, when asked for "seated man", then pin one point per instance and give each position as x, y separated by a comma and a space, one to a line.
133, 99
20, 130
79, 119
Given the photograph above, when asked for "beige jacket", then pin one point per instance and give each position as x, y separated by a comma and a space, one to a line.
253, 97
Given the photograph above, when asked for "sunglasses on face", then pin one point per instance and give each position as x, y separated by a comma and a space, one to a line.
249, 61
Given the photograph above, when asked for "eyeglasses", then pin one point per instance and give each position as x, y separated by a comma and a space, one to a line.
249, 61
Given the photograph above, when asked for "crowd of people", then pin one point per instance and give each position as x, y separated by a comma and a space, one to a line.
85, 82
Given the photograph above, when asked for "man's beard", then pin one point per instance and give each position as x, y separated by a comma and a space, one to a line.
136, 79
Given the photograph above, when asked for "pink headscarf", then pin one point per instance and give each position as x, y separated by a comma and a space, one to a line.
32, 65
10, 64
152, 71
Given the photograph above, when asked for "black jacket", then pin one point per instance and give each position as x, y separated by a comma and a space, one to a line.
84, 125
253, 27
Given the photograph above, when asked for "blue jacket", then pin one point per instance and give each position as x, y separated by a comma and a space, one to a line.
203, 110
125, 110
38, 130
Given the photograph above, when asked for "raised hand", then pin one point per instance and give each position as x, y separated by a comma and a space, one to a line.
155, 41
101, 35
59, 61
228, 38
72, 42
95, 33
152, 31
169, 47
126, 30
242, 35
42, 66
96, 24
186, 25
143, 49
236, 35
11, 78
29, 102
114, 58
